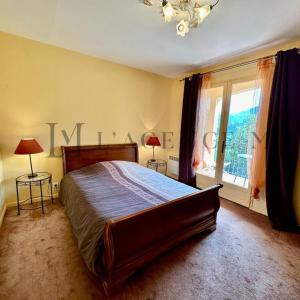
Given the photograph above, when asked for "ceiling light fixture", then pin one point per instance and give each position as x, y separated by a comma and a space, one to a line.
189, 13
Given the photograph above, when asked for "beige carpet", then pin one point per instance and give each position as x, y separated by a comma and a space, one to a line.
242, 259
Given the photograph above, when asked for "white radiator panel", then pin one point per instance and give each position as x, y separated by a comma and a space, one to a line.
173, 165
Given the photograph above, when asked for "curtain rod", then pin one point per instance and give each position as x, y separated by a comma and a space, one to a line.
237, 65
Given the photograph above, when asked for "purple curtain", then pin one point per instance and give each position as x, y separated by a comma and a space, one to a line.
283, 140
190, 107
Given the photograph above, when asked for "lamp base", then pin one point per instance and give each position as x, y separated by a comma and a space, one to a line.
32, 175
152, 159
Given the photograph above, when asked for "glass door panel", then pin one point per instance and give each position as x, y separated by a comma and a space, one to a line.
237, 148
211, 120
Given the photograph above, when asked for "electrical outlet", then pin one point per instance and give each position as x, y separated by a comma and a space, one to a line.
56, 186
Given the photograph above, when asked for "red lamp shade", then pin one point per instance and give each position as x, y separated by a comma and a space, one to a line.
28, 146
153, 141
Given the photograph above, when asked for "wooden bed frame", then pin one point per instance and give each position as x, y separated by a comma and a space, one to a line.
132, 241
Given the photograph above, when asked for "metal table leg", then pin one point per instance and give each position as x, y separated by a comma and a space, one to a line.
30, 188
18, 200
51, 189
42, 199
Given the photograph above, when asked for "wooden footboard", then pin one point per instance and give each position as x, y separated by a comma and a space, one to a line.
132, 241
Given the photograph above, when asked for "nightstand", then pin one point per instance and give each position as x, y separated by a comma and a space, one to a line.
41, 179
156, 164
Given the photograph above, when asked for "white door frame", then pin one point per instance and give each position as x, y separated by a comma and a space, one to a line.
229, 191
205, 180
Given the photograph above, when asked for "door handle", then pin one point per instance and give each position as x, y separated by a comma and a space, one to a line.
223, 147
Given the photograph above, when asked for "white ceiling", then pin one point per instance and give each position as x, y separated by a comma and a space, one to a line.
130, 33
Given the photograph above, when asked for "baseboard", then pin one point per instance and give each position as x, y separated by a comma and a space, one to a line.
14, 203
2, 213
260, 210
11, 204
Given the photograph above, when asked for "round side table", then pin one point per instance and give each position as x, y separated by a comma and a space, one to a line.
156, 164
41, 179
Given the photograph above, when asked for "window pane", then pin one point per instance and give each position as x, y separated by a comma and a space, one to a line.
211, 125
241, 125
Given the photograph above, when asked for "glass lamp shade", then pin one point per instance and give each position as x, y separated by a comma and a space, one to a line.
28, 146
168, 12
153, 141
204, 11
182, 28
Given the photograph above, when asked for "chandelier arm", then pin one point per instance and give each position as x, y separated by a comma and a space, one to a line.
191, 13
215, 4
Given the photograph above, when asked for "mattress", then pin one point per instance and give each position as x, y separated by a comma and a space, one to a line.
110, 190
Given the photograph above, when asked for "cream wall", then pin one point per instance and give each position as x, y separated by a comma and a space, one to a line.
41, 84
2, 200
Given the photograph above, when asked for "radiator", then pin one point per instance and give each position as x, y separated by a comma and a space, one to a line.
173, 165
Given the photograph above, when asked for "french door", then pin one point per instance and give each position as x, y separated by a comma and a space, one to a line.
228, 127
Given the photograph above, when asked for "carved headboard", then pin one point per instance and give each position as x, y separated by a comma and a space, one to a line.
76, 157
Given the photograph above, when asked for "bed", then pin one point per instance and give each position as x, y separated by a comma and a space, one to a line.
125, 215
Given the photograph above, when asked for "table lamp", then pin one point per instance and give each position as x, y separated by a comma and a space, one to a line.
153, 141
29, 146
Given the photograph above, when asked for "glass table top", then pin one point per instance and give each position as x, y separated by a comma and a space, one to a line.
40, 177
157, 162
